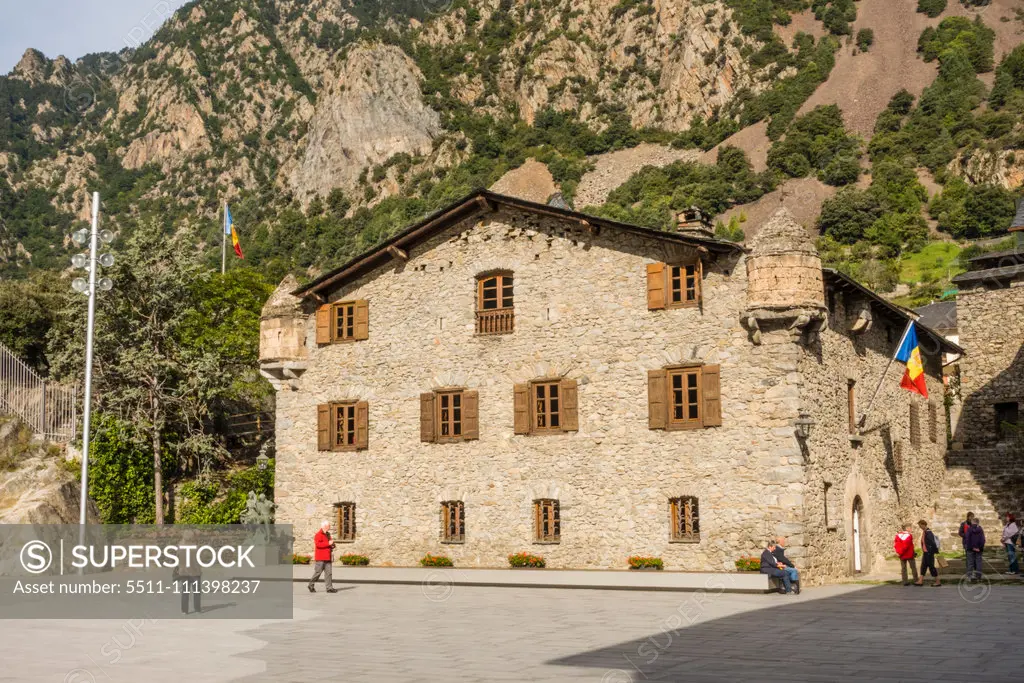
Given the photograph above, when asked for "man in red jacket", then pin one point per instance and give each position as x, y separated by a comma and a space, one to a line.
903, 544
322, 557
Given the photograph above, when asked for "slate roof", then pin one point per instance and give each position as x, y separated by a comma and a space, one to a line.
940, 316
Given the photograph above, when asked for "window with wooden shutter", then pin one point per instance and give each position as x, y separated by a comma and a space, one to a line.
933, 422
343, 321
453, 521
684, 519
323, 427
449, 415
552, 407
345, 522
684, 398
674, 285
362, 425
342, 426
521, 404
915, 425
547, 525
495, 309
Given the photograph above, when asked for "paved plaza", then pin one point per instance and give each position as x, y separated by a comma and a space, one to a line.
381, 633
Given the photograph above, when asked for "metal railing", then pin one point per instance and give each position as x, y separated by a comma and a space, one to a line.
49, 409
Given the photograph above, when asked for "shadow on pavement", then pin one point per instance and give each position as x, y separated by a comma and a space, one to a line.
881, 633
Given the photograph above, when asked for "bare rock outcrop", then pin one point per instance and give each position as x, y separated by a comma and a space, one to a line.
1003, 167
372, 109
532, 181
614, 168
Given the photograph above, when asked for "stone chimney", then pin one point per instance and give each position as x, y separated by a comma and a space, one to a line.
695, 223
785, 284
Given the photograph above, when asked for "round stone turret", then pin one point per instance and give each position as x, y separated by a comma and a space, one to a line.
784, 268
283, 325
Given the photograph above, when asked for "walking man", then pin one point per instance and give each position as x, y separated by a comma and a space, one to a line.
772, 567
903, 544
1009, 540
322, 557
790, 568
974, 545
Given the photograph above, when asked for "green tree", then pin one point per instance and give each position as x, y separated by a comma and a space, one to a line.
27, 309
932, 8
155, 367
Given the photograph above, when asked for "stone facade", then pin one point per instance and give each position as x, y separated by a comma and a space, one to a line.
581, 313
992, 330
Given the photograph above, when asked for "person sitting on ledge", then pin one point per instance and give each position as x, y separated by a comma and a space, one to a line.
771, 566
780, 555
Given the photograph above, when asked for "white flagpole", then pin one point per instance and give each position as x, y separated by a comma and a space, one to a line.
864, 416
224, 241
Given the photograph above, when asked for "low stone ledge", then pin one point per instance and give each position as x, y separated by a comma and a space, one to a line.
709, 582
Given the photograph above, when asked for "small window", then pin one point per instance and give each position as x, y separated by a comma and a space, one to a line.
915, 425
451, 415
684, 397
851, 404
547, 524
1007, 418
897, 457
343, 426
933, 422
828, 494
342, 321
453, 522
345, 521
685, 520
676, 285
546, 407
494, 308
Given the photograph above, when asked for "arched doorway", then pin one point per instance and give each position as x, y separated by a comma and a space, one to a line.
858, 522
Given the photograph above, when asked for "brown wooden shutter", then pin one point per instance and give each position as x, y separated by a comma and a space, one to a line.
362, 324
570, 406
522, 408
712, 396
655, 286
657, 399
470, 415
362, 425
428, 432
699, 277
323, 324
323, 427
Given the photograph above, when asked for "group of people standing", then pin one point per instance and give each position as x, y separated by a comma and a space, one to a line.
906, 549
974, 544
972, 536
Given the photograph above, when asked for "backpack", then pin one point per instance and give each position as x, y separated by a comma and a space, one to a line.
938, 545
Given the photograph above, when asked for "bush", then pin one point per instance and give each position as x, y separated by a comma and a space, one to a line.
525, 559
865, 39
976, 39
429, 560
932, 8
748, 564
638, 562
354, 560
301, 559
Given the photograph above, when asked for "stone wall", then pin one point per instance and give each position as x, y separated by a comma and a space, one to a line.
580, 306
866, 467
992, 330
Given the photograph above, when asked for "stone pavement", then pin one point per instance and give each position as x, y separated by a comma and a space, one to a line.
382, 633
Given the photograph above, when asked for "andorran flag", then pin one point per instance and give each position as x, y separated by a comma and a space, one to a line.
229, 228
910, 353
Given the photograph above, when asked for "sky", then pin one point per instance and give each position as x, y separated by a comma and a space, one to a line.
77, 27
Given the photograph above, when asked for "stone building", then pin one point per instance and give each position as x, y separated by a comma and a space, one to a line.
506, 376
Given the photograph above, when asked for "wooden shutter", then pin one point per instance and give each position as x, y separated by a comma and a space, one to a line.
712, 396
323, 324
657, 399
428, 431
655, 286
698, 274
323, 427
570, 406
361, 330
522, 408
362, 425
470, 415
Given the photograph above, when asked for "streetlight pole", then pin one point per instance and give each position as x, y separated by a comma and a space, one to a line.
87, 413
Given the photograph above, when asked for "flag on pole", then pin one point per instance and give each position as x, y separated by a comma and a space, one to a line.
229, 229
910, 353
